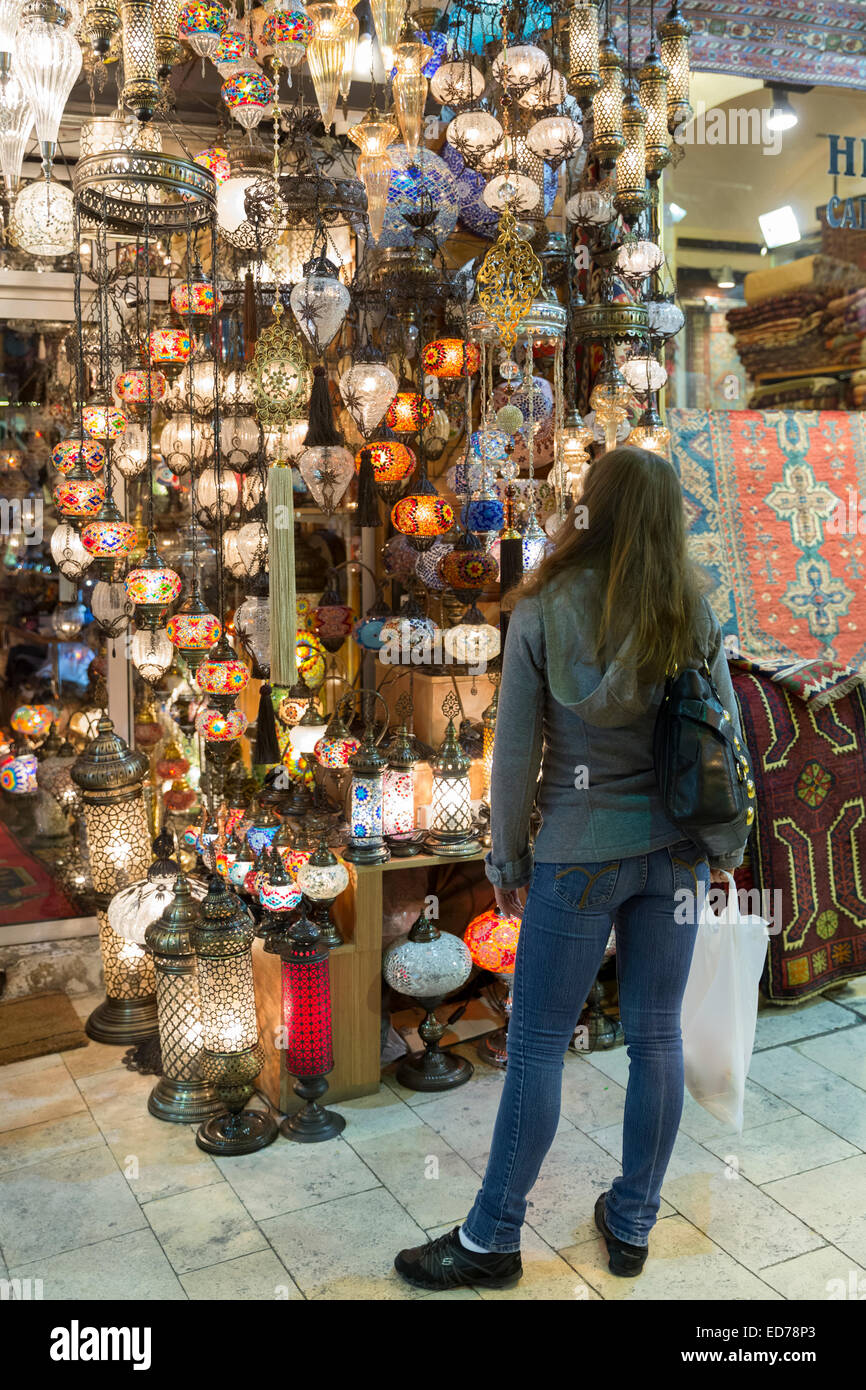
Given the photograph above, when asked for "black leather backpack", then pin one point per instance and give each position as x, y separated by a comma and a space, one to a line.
701, 765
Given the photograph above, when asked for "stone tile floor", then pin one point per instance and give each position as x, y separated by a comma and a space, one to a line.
99, 1200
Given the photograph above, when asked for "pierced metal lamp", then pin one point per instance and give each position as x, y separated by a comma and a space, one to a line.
180, 1096
428, 965
452, 828
110, 777
366, 843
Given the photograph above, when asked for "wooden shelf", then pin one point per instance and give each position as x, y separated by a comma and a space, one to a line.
803, 372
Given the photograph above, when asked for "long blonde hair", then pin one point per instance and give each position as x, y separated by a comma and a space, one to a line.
635, 541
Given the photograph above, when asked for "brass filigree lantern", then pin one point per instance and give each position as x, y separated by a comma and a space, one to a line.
509, 279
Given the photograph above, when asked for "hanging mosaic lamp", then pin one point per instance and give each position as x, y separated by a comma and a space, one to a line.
422, 517
71, 451
152, 588
468, 569
220, 727
392, 463
326, 52
222, 675
367, 389
197, 300
674, 33
319, 302
139, 391
169, 349
193, 630
248, 95
78, 495
288, 31
235, 53
408, 412
103, 422
201, 23
450, 358
216, 159
108, 537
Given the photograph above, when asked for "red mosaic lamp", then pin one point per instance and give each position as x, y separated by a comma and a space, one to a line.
392, 463
108, 537
306, 1009
152, 588
222, 675
422, 516
450, 358
197, 301
102, 421
79, 495
77, 449
492, 942
408, 413
132, 389
169, 349
193, 629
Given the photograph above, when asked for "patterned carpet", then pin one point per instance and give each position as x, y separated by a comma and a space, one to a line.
809, 840
27, 891
761, 491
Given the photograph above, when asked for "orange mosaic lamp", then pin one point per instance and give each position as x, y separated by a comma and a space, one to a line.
449, 358
422, 517
132, 389
88, 452
169, 349
492, 941
408, 413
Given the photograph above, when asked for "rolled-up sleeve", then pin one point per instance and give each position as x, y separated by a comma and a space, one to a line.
517, 748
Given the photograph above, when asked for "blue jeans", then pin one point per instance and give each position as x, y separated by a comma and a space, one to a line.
566, 925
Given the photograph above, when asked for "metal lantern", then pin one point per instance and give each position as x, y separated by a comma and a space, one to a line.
232, 1055
180, 1096
309, 1052
488, 735
319, 302
366, 843
428, 965
141, 89
583, 50
110, 776
607, 137
398, 785
631, 191
367, 389
653, 97
451, 830
674, 33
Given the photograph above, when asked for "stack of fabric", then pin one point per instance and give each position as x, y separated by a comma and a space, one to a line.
801, 393
781, 334
844, 329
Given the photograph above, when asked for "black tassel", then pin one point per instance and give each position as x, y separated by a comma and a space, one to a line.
322, 429
251, 324
267, 748
510, 563
367, 512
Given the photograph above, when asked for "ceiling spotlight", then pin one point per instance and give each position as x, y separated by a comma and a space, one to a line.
675, 212
782, 114
726, 280
779, 227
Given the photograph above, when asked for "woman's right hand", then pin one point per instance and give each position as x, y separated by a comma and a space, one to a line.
719, 876
510, 901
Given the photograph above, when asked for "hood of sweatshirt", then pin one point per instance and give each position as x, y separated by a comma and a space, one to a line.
604, 693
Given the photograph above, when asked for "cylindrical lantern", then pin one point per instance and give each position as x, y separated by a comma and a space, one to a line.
451, 830
180, 1095
366, 844
653, 97
141, 89
232, 1055
307, 1031
583, 55
607, 136
398, 786
428, 965
631, 195
488, 727
110, 776
674, 33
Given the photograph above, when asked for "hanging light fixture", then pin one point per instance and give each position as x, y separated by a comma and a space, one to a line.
166, 16
367, 388
41, 222
202, 23
607, 137
326, 52
653, 97
644, 373
152, 588
248, 95
193, 629
16, 125
474, 135
375, 171
10, 14
674, 33
387, 18
410, 89
68, 553
151, 654
319, 302
456, 84
47, 64
631, 193
649, 432
288, 31
327, 470
583, 50
141, 89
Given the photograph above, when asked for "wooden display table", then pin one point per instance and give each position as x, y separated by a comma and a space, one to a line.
356, 989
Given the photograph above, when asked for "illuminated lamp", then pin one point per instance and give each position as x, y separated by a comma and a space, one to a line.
18, 775
67, 551
392, 463
473, 641
193, 630
637, 259
235, 52
34, 721
169, 349
89, 452
294, 706
215, 159
428, 965
367, 389
644, 373
319, 302
448, 358
222, 675
492, 942
111, 608
649, 432
262, 829
242, 865
583, 51
674, 33
197, 301
232, 1056
398, 790
132, 389
310, 656
631, 185
248, 96
607, 137
451, 831
152, 654
327, 470
108, 537
366, 844
322, 877
288, 31
152, 588
78, 496
488, 735
334, 622
180, 796
467, 569
422, 517
336, 746
202, 23
103, 421
408, 412
130, 454
220, 727
172, 763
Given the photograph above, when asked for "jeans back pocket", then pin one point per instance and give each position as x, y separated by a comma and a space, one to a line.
586, 886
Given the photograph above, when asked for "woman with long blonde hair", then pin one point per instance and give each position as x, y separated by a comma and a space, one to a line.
614, 607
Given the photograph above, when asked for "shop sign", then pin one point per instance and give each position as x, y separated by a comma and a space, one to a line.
848, 159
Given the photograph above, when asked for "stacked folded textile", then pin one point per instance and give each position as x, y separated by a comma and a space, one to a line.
781, 334
845, 328
801, 393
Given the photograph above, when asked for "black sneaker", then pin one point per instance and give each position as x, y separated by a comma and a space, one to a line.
445, 1263
625, 1260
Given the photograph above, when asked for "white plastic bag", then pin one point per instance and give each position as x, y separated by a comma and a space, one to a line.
720, 1007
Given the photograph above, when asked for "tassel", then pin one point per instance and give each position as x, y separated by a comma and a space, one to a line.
281, 541
251, 325
367, 512
510, 563
267, 748
322, 429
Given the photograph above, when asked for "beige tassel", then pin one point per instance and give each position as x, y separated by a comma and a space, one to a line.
281, 550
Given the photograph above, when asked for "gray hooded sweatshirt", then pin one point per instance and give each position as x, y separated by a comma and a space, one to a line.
593, 724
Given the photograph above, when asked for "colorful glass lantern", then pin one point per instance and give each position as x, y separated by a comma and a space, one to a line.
288, 31
408, 412
492, 941
422, 517
108, 536
242, 865
488, 735
103, 422
472, 642
172, 763
248, 96
69, 452
366, 843
196, 300
152, 587
336, 746
334, 622
451, 829
80, 497
294, 706
132, 389
310, 658
322, 877
18, 774
34, 721
306, 1009
169, 349
306, 733
468, 570
232, 1056
222, 675
235, 52
218, 726
447, 358
216, 159
202, 23
392, 461
398, 787
429, 965
193, 630
279, 893
180, 1096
